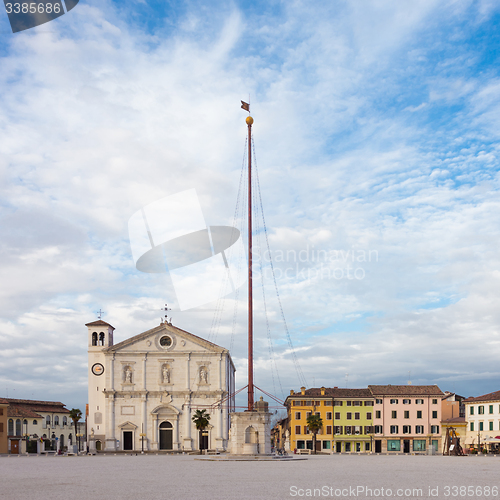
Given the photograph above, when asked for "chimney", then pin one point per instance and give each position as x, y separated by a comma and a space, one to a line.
322, 391
303, 391
291, 392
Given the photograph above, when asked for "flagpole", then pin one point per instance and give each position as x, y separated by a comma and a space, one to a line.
249, 122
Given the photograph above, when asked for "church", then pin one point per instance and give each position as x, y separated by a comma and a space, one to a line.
144, 391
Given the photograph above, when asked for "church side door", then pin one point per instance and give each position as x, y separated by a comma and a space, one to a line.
166, 436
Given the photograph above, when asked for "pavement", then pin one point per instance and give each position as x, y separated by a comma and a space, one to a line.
130, 477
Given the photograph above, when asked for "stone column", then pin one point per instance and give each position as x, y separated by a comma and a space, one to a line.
156, 443
110, 434
175, 440
188, 379
188, 444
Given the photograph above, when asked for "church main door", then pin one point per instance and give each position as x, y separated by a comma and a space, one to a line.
166, 436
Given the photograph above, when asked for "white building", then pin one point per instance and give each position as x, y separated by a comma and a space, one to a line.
483, 419
144, 390
38, 426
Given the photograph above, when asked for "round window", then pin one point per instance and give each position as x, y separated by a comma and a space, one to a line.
166, 341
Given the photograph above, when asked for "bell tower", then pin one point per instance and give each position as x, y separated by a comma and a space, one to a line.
100, 335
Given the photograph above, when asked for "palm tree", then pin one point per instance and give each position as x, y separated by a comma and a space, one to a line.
201, 419
315, 423
75, 414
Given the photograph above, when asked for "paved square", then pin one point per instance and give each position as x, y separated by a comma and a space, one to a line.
124, 477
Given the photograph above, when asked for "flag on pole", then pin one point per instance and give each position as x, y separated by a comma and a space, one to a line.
245, 106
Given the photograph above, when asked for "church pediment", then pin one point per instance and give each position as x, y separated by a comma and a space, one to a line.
128, 426
165, 339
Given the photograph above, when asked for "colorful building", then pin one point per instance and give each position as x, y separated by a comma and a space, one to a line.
483, 421
407, 418
347, 416
4, 446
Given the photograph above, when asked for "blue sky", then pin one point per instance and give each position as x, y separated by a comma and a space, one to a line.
376, 130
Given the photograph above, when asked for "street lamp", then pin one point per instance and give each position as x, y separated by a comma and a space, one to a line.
78, 436
143, 435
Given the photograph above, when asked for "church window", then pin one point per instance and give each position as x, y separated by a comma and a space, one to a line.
18, 427
101, 338
35, 422
11, 427
166, 341
94, 338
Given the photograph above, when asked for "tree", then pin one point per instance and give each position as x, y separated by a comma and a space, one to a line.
75, 414
201, 419
315, 423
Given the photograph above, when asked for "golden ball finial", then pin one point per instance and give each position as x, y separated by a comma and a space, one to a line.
249, 120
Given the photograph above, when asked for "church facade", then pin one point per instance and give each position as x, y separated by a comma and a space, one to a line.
144, 391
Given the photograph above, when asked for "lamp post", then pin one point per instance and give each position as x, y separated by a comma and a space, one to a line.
478, 440
143, 435
78, 436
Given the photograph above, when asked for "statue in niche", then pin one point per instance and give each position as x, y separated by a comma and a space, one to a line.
165, 372
128, 374
203, 375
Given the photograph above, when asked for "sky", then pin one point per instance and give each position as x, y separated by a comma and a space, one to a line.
376, 141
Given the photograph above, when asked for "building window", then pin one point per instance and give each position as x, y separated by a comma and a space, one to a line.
419, 401
491, 409
368, 416
349, 416
35, 422
419, 414
298, 415
328, 403
481, 425
368, 429
434, 401
10, 430
358, 429
480, 410
378, 429
56, 420
434, 414
419, 429
65, 421
378, 401
18, 427
406, 429
434, 429
393, 445
367, 446
94, 339
491, 426
348, 403
337, 403
348, 447
356, 416
337, 429
471, 411
406, 401
419, 445
308, 414
357, 403
297, 429
394, 429
394, 414
306, 429
472, 426
348, 430
337, 415
377, 414
394, 401
326, 445
328, 429
368, 403
407, 414
329, 415
47, 420
301, 445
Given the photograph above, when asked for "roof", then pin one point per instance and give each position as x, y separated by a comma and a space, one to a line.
26, 408
163, 326
492, 396
99, 322
454, 420
3, 401
405, 390
333, 392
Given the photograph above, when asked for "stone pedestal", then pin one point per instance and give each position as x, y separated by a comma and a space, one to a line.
251, 432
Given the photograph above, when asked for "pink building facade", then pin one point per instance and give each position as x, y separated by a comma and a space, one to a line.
406, 418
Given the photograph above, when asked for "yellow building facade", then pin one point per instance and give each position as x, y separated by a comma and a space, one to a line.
347, 416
